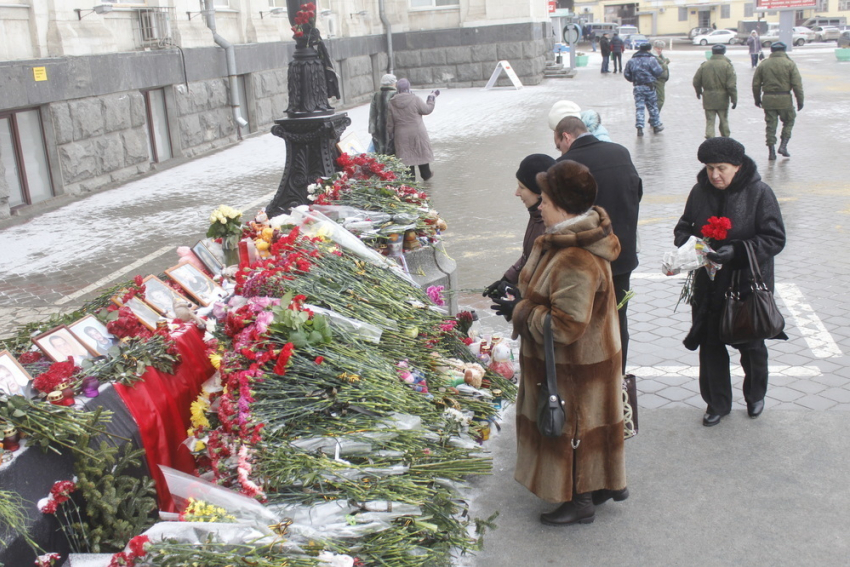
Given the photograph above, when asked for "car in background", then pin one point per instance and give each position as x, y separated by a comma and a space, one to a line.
826, 33
715, 37
633, 40
627, 29
772, 36
808, 33
699, 31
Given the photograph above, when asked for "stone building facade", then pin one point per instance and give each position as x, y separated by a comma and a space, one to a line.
92, 98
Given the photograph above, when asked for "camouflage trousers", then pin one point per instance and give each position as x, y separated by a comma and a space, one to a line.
645, 98
772, 118
723, 115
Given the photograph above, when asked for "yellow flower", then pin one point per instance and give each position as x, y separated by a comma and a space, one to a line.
199, 416
215, 360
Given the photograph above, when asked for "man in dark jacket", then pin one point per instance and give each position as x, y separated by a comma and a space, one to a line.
378, 116
605, 48
529, 193
617, 47
773, 82
715, 81
642, 71
619, 191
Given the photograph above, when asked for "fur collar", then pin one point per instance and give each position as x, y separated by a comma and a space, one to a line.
746, 175
591, 231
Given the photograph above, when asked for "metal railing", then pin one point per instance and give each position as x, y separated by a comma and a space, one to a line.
154, 26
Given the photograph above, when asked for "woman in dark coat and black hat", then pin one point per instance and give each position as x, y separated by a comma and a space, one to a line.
729, 186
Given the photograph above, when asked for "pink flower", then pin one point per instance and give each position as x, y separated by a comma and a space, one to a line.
435, 292
263, 320
47, 559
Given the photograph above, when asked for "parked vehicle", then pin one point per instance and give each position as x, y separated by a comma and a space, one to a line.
633, 40
627, 30
773, 35
717, 36
834, 21
809, 34
745, 28
699, 31
826, 33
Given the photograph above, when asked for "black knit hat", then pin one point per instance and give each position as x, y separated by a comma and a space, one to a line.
569, 185
646, 46
530, 167
721, 150
719, 49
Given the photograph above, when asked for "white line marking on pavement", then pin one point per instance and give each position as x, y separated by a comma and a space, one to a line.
820, 341
117, 273
654, 276
693, 371
141, 261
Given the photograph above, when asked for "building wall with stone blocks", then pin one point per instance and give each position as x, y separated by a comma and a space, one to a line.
100, 140
204, 118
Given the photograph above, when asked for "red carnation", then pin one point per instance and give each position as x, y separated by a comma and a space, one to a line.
137, 545
716, 228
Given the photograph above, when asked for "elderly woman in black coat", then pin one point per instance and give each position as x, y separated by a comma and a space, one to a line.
729, 186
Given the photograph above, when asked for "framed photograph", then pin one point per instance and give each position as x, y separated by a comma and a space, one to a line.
350, 144
60, 344
162, 296
146, 314
13, 377
93, 334
201, 288
208, 258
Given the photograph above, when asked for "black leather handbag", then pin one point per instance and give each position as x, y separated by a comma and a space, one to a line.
550, 407
752, 316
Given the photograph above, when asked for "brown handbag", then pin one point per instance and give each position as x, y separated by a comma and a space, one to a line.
749, 316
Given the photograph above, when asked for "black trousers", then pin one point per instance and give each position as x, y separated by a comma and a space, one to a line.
622, 284
617, 58
424, 171
715, 380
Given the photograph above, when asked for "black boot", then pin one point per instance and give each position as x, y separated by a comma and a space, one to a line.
640, 132
604, 495
783, 148
579, 511
771, 153
657, 129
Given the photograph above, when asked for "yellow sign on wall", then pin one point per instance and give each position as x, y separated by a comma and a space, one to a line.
39, 73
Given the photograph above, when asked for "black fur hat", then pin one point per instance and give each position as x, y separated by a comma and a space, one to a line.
530, 167
569, 185
721, 150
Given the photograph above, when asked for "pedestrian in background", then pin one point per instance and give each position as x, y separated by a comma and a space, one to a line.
619, 191
381, 140
773, 82
592, 37
658, 47
754, 45
729, 186
529, 193
643, 70
617, 47
605, 48
407, 129
715, 81
567, 281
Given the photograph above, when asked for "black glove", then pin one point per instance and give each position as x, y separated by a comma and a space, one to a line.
698, 96
722, 255
758, 102
799, 106
493, 289
505, 306
734, 104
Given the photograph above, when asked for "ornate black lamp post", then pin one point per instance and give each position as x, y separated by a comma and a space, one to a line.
311, 129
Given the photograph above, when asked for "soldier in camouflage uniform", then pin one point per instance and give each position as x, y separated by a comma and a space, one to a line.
773, 82
642, 71
715, 81
662, 79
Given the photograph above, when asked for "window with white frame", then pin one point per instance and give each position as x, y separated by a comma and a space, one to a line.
725, 11
822, 6
683, 14
844, 4
433, 3
749, 10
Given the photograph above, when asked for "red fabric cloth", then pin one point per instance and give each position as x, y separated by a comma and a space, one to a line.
160, 405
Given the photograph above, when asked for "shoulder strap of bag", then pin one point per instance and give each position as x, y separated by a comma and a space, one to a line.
549, 351
754, 264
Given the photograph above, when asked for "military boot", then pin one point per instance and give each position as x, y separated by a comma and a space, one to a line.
771, 153
640, 132
783, 148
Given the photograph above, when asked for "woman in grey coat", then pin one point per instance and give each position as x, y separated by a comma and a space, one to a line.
407, 129
754, 43
729, 186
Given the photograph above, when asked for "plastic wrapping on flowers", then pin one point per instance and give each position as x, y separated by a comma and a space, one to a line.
345, 419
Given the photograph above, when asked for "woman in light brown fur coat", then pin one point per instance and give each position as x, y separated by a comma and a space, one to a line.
568, 275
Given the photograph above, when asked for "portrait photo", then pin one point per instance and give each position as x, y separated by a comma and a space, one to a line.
93, 334
60, 344
162, 297
209, 259
201, 288
13, 377
146, 314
